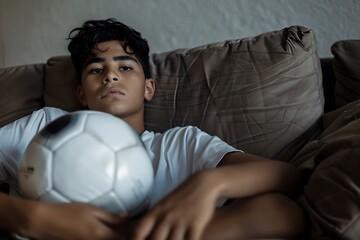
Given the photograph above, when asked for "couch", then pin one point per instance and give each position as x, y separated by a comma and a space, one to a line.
269, 95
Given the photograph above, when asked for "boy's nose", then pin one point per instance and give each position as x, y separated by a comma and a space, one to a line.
110, 79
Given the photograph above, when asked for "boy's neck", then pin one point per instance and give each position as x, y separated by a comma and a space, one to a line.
136, 122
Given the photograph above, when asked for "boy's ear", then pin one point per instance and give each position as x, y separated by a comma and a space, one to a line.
149, 89
81, 96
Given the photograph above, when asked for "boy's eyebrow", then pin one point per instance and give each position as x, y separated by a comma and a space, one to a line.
125, 57
94, 59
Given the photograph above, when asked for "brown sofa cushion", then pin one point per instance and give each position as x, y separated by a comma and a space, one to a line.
21, 91
257, 93
60, 85
347, 71
332, 195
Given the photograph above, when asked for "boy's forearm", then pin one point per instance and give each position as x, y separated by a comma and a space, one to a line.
248, 178
14, 213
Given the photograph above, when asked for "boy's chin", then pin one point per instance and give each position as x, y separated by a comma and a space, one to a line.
113, 111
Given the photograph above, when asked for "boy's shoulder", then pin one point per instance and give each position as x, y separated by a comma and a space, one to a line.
173, 132
177, 135
40, 116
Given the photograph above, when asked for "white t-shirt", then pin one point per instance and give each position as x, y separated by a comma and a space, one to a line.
14, 139
176, 154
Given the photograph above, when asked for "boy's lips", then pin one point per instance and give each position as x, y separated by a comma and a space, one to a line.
112, 92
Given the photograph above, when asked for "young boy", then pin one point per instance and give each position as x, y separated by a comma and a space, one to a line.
204, 188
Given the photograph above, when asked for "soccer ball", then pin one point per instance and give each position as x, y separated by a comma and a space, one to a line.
88, 157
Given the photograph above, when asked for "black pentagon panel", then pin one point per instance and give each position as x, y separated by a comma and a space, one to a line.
57, 125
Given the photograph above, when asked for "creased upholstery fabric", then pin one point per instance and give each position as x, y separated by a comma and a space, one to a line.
347, 71
258, 93
61, 83
331, 195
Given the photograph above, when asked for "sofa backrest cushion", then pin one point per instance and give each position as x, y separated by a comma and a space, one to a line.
61, 83
21, 91
347, 71
257, 93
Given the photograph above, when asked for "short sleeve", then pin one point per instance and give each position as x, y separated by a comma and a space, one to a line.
15, 136
179, 153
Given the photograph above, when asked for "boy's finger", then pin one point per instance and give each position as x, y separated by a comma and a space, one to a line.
111, 218
144, 228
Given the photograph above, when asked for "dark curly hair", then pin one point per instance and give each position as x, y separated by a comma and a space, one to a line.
83, 39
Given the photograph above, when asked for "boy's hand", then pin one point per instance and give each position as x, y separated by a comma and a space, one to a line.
183, 214
73, 221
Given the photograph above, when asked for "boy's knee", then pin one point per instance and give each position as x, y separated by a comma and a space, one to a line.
260, 217
284, 215
269, 216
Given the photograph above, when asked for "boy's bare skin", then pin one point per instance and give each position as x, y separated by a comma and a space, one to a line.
113, 81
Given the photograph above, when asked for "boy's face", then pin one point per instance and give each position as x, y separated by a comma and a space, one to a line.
113, 81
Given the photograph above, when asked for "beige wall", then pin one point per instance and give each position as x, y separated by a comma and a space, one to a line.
1, 51
31, 31
1, 38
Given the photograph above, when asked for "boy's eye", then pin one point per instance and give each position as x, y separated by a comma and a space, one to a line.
96, 70
125, 68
